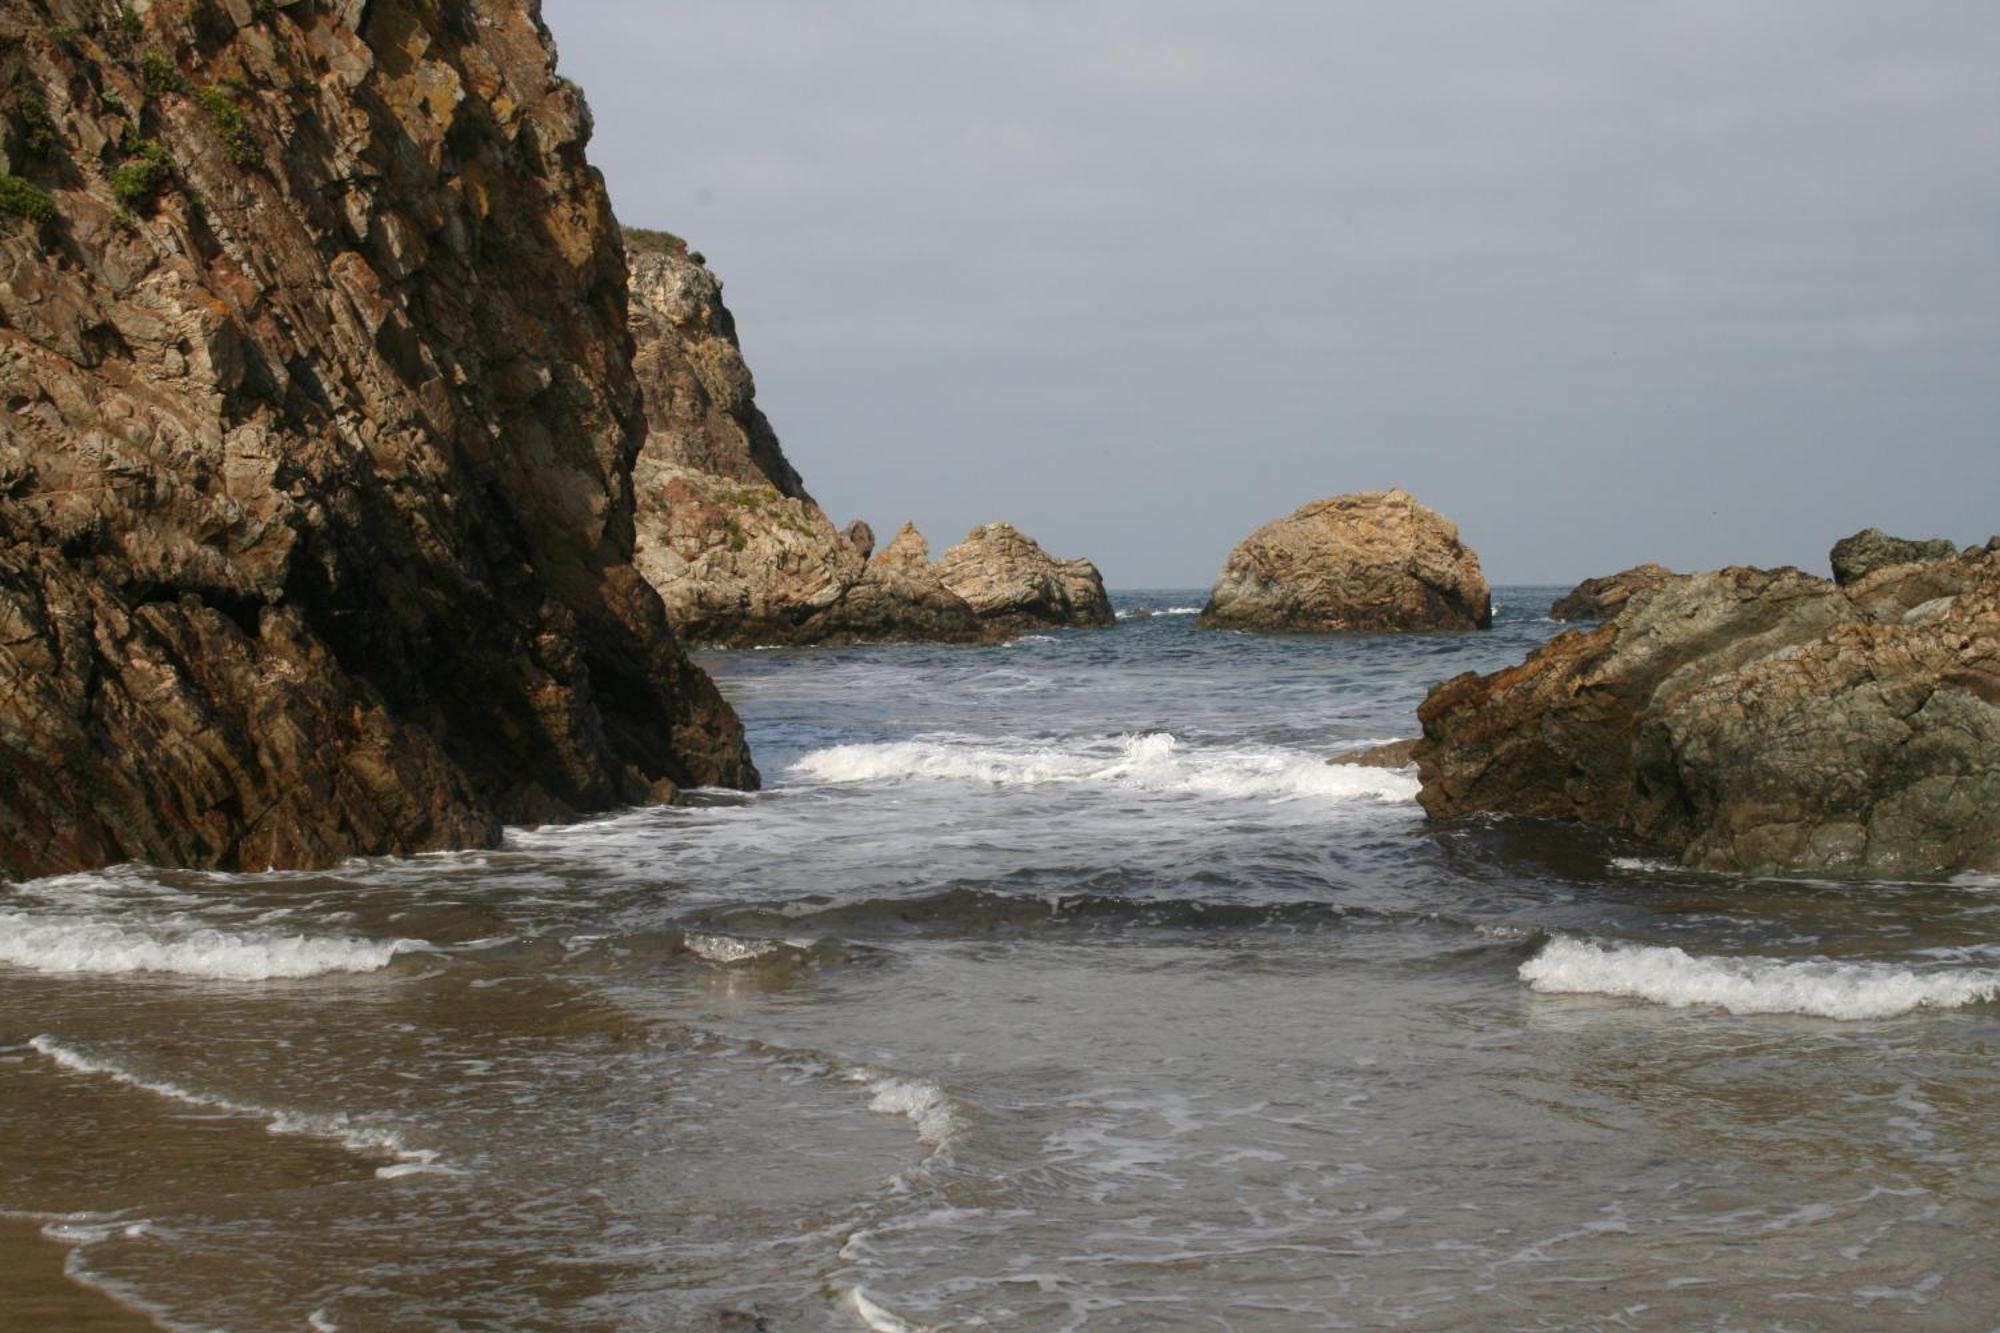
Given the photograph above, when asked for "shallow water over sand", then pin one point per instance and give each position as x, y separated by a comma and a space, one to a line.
1053, 985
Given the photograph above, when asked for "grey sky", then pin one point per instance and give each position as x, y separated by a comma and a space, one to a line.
1705, 282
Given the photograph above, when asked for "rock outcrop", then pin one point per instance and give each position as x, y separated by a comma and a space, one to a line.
316, 523
727, 534
1753, 720
1603, 598
1376, 560
1871, 549
1012, 584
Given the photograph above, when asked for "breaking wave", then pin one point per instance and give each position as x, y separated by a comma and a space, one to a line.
1157, 762
337, 1126
86, 945
1752, 985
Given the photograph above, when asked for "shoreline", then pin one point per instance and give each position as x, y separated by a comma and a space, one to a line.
35, 1292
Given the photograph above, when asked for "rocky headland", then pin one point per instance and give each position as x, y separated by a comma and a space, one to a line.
728, 535
1602, 598
1753, 720
1375, 560
316, 514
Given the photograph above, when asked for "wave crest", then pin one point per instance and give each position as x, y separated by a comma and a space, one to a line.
1750, 984
68, 945
1156, 762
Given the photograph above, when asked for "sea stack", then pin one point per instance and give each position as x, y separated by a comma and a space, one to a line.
1753, 720
1013, 584
1375, 560
317, 538
1602, 598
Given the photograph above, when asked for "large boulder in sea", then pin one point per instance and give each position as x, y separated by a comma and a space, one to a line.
1012, 583
1753, 720
727, 534
1602, 598
1375, 560
1871, 549
316, 537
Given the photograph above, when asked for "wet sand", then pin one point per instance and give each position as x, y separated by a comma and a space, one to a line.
35, 1294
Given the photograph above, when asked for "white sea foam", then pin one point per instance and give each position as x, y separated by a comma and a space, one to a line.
1156, 762
729, 948
923, 1102
1131, 611
876, 1318
1752, 985
374, 1140
82, 944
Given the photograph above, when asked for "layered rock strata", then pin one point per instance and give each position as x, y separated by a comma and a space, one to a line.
1375, 560
1602, 598
1011, 583
1753, 720
316, 521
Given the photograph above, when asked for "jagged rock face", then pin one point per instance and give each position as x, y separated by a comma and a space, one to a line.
727, 534
1602, 598
1011, 583
317, 530
1375, 560
1753, 720
1872, 549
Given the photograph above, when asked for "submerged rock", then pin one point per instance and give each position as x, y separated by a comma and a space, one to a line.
1753, 720
1389, 754
1375, 560
1011, 583
727, 534
317, 529
1872, 549
1602, 598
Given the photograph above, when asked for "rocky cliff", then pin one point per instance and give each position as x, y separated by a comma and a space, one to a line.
1753, 720
738, 550
728, 535
1373, 560
316, 521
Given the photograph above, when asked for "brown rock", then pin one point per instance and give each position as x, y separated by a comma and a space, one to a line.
1391, 754
1012, 583
1871, 549
1753, 720
316, 534
1602, 598
1375, 561
727, 534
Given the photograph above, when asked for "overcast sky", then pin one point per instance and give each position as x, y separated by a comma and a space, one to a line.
1706, 282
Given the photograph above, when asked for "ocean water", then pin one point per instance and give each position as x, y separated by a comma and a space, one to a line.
1054, 985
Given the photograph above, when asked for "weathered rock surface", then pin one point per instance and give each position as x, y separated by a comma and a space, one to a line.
727, 534
1872, 549
1753, 720
1013, 584
315, 508
1602, 598
1389, 754
1375, 560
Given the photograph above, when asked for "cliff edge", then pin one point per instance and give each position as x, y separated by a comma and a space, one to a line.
316, 519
